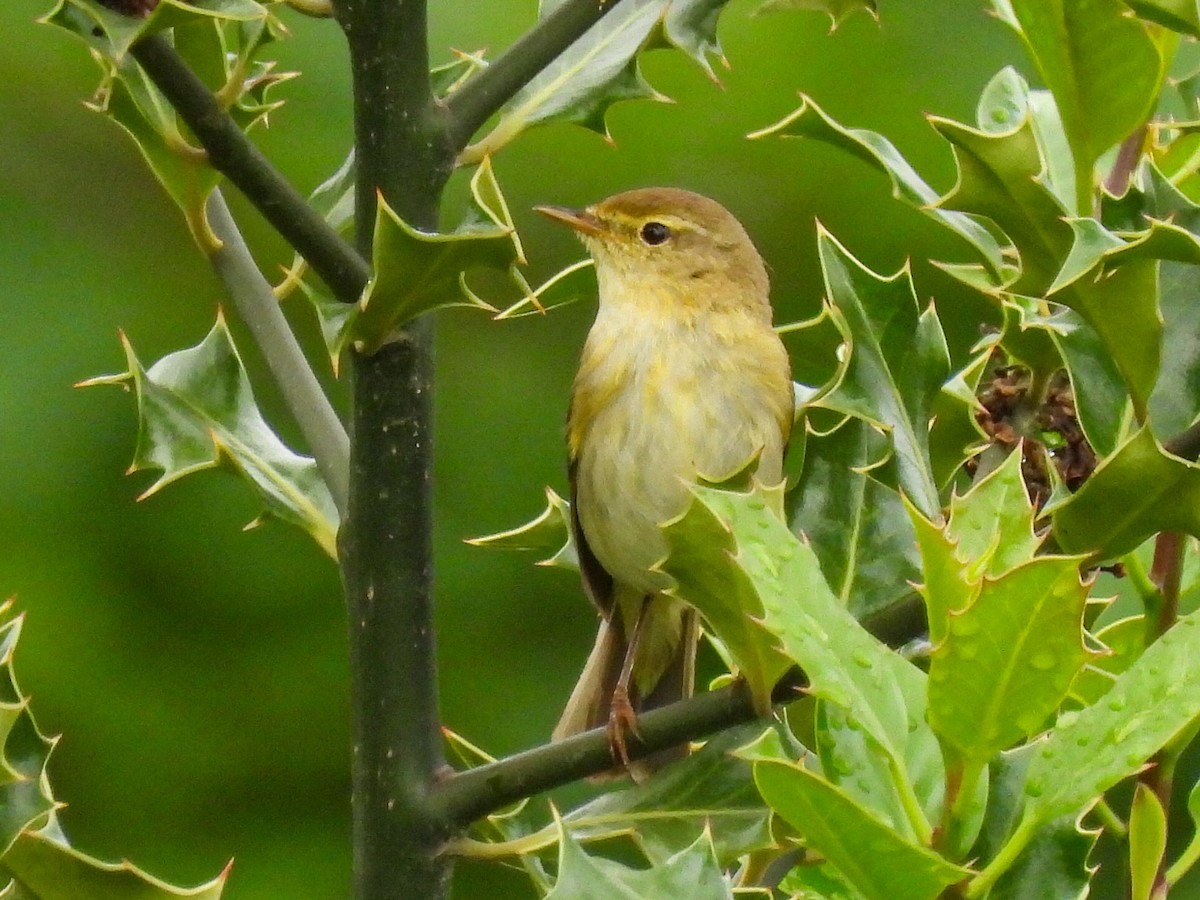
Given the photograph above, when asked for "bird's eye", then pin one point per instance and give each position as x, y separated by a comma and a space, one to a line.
655, 233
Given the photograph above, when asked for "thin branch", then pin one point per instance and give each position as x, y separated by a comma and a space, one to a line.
252, 296
236, 157
1167, 574
1186, 444
465, 797
476, 101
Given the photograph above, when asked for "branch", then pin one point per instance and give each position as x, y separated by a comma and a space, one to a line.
235, 156
475, 102
474, 793
259, 309
401, 153
1186, 444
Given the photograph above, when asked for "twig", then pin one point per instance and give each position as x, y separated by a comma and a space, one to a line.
476, 101
467, 796
252, 296
234, 156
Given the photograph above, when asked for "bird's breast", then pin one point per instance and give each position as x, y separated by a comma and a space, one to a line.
657, 404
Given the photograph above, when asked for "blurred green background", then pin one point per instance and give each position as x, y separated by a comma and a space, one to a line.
197, 672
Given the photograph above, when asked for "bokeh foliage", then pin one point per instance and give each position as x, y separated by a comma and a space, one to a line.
147, 597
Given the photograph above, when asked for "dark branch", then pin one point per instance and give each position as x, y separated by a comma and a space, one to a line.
483, 95
467, 796
1186, 444
401, 153
236, 157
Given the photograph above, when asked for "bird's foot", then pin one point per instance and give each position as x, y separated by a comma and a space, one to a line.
622, 722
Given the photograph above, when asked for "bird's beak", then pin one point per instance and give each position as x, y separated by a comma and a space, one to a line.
579, 219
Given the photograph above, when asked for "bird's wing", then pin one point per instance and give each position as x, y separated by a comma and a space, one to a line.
597, 582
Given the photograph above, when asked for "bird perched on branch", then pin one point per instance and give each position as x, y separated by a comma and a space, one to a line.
682, 377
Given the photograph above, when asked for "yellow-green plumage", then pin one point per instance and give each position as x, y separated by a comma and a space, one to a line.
681, 376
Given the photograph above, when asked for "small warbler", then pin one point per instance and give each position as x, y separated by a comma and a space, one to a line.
681, 377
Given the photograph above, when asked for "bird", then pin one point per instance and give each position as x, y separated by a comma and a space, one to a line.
682, 377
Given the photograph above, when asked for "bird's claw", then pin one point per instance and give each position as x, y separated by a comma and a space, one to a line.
622, 721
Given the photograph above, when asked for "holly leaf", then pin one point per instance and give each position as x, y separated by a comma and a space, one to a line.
1155, 699
196, 410
754, 573
837, 10
46, 868
418, 271
810, 121
1122, 642
1147, 841
836, 826
601, 67
710, 789
1008, 659
858, 528
701, 559
1006, 102
1007, 626
549, 533
1000, 177
1138, 491
112, 34
1054, 864
1103, 68
25, 797
692, 872
898, 362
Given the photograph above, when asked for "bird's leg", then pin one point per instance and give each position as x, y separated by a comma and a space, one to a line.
622, 717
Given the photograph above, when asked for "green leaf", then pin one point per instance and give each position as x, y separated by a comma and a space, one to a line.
875, 150
777, 582
897, 365
711, 789
954, 434
1008, 659
47, 869
1175, 402
1000, 178
1147, 841
1006, 102
25, 796
992, 523
858, 528
418, 271
837, 10
196, 409
701, 558
112, 34
547, 533
1028, 340
871, 856
183, 170
1123, 642
851, 760
1101, 397
1103, 69
816, 881
1178, 15
1138, 491
989, 532
601, 68
1090, 751
1054, 864
692, 872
